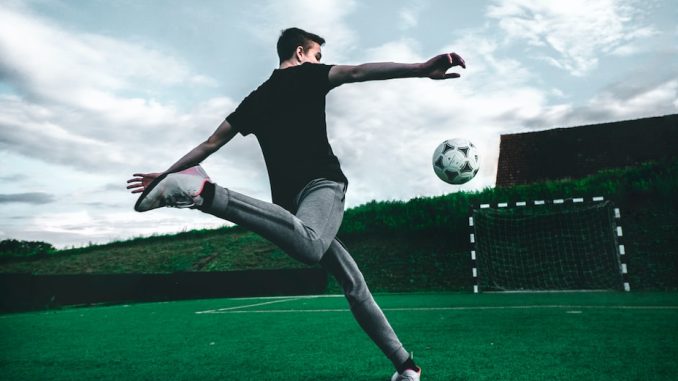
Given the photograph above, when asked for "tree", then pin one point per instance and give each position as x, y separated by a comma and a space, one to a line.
16, 248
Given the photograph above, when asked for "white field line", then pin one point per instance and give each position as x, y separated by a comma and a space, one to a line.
276, 299
230, 309
412, 309
290, 296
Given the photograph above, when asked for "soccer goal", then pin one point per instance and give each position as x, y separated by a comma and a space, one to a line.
548, 245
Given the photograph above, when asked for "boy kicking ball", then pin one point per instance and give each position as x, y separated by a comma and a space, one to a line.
287, 116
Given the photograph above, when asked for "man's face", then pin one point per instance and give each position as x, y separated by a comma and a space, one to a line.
311, 55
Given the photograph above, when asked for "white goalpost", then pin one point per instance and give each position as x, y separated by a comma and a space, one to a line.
548, 245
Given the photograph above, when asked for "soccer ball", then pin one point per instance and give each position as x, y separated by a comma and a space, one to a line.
455, 161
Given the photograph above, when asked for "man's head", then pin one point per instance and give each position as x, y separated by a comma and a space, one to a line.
299, 46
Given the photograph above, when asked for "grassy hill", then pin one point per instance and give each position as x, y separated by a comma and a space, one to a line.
421, 244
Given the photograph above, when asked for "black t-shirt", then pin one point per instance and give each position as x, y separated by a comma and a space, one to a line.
287, 115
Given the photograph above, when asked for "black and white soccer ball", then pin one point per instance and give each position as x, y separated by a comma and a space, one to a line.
455, 161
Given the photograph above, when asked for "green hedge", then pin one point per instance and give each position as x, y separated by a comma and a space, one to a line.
655, 183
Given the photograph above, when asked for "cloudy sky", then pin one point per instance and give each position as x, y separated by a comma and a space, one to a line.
93, 91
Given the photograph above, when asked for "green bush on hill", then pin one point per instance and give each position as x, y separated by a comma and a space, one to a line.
12, 248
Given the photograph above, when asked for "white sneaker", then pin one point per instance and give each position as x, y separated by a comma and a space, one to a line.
180, 190
408, 375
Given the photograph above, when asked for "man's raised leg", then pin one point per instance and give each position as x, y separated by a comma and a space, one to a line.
304, 236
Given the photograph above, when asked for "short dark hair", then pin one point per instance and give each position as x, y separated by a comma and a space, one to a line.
290, 38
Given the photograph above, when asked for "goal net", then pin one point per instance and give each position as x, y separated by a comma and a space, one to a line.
564, 246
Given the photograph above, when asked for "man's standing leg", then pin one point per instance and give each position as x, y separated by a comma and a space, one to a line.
338, 262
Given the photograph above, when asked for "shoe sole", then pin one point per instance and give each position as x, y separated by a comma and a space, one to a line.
148, 190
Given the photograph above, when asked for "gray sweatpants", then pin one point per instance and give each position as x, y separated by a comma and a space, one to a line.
309, 236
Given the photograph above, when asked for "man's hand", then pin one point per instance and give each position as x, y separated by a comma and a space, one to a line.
437, 67
141, 180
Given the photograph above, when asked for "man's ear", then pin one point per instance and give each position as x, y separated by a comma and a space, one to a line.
299, 52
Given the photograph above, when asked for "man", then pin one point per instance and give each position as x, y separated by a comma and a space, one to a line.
287, 115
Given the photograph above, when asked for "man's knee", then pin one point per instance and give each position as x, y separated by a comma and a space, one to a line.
310, 251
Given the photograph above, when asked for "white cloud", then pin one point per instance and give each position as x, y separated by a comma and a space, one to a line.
620, 101
408, 18
51, 62
651, 101
482, 55
326, 18
85, 226
72, 104
409, 14
403, 50
572, 35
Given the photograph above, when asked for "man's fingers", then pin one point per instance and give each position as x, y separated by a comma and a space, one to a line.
136, 188
455, 59
452, 75
136, 183
459, 60
145, 175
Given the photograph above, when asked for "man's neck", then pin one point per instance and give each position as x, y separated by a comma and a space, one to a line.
288, 63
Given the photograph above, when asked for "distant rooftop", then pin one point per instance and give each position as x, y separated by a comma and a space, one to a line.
576, 152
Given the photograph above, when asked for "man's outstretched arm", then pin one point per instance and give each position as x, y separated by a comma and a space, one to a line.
435, 68
222, 135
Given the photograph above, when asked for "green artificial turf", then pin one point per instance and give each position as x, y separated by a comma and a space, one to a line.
454, 336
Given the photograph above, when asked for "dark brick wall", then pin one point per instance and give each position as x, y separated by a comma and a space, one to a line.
580, 151
21, 292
